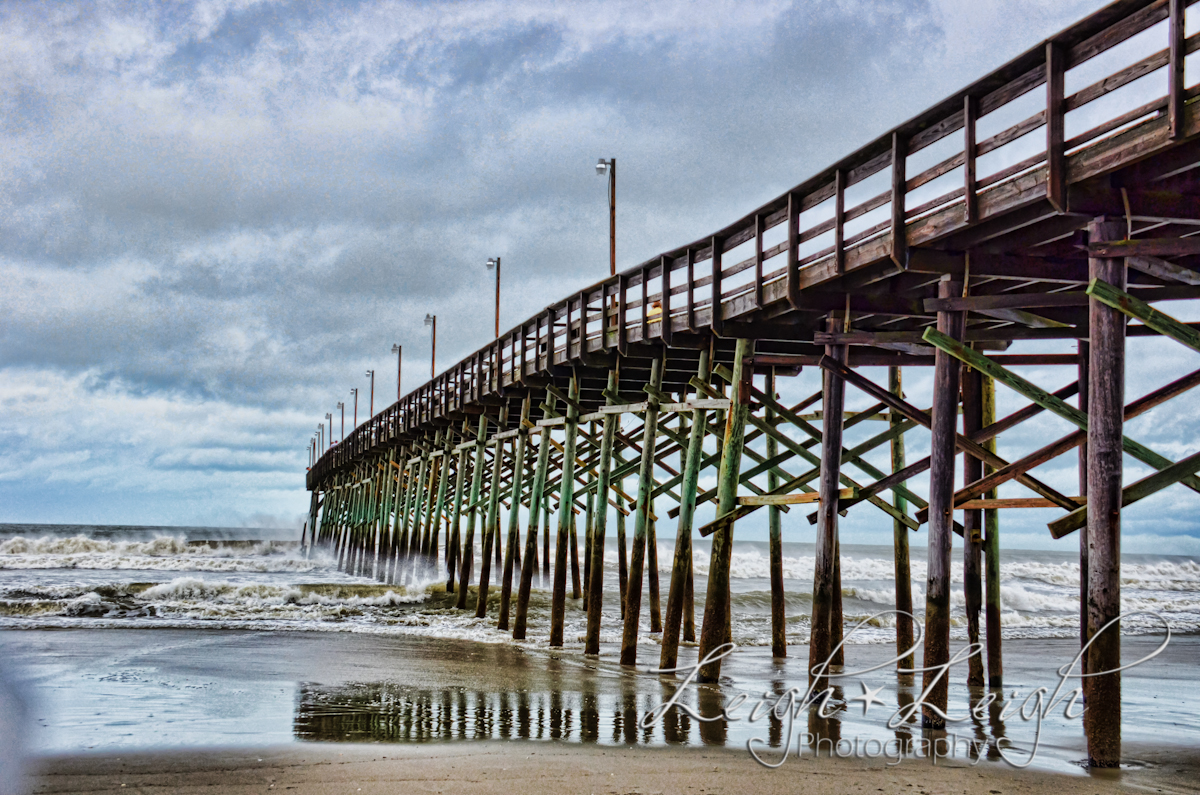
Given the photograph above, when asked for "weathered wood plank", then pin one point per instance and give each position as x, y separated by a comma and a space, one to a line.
791, 499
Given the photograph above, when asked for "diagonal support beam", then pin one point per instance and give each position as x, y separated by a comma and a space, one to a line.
1037, 395
961, 442
1161, 322
1130, 494
1069, 442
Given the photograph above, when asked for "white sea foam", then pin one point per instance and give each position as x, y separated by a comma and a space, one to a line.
164, 553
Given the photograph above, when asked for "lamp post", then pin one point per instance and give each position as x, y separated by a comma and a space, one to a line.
371, 375
342, 406
321, 435
610, 167
431, 321
399, 351
494, 262
355, 393
329, 417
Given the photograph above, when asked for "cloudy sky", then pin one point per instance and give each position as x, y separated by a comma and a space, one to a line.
216, 216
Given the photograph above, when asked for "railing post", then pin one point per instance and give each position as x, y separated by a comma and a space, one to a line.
716, 322
1176, 93
970, 201
1056, 174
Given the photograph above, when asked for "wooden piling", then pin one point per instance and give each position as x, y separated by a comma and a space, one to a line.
678, 592
492, 524
972, 414
1084, 354
715, 628
595, 600
398, 503
633, 588
991, 552
566, 518
1106, 407
421, 557
825, 576
384, 547
944, 422
536, 492
573, 546
901, 567
422, 497
652, 574
546, 536
439, 510
622, 557
468, 547
511, 552
775, 538
412, 486
454, 539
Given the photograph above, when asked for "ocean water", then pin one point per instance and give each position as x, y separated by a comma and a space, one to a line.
190, 637
214, 578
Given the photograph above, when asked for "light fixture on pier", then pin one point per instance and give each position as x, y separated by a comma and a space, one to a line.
431, 321
494, 262
371, 407
342, 406
354, 392
329, 418
399, 351
609, 167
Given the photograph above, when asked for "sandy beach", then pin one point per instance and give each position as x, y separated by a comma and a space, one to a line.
551, 768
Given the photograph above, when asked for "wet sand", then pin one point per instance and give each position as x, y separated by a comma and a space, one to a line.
553, 768
167, 709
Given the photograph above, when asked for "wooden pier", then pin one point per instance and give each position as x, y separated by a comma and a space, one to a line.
1072, 222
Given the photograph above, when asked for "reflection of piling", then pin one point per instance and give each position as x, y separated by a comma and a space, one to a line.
946, 284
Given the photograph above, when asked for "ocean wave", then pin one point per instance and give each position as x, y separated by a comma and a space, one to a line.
163, 553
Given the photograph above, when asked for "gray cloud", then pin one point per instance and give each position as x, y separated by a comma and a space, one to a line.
215, 216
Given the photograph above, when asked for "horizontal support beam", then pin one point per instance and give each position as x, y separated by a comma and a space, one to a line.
792, 499
1014, 502
1165, 247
